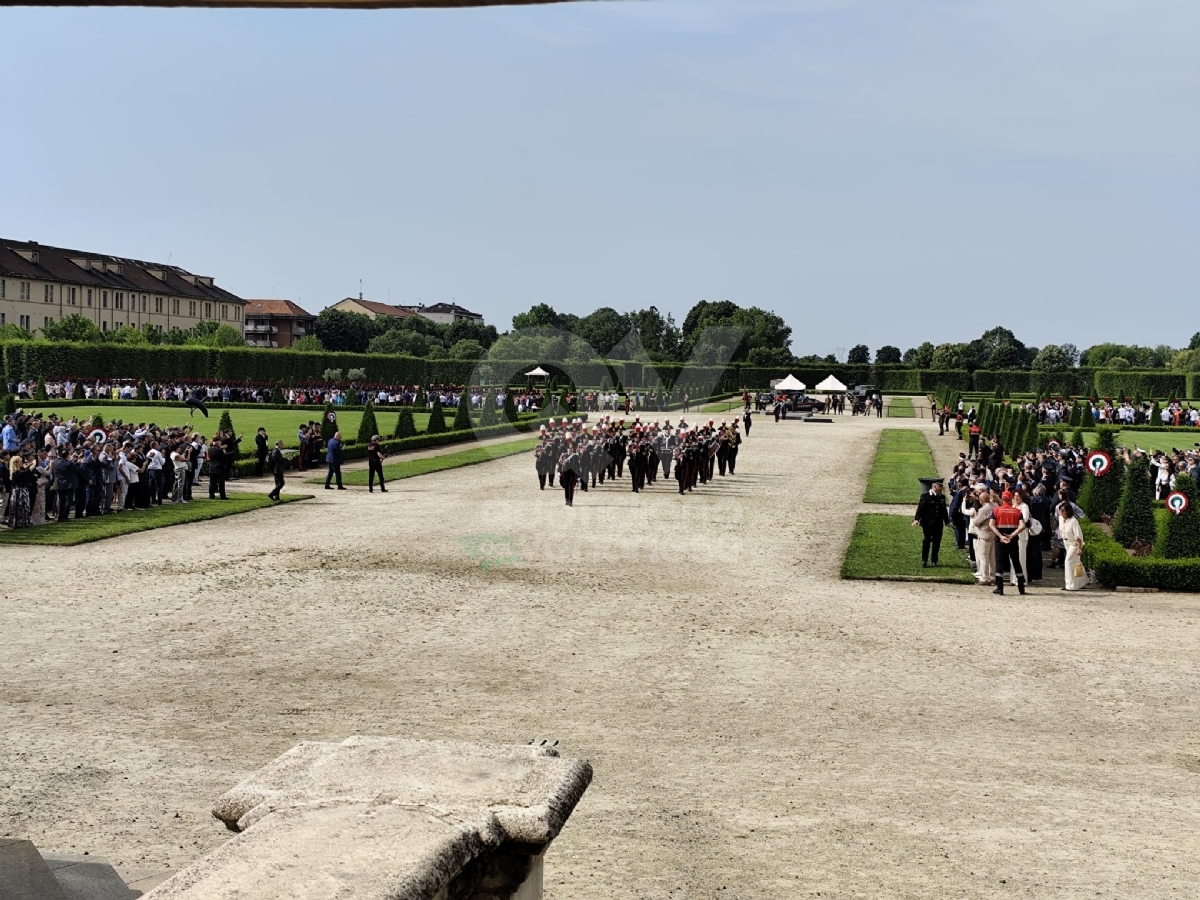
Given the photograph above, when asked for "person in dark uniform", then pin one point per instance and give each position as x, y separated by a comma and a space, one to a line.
746, 421
333, 461
568, 474
932, 515
277, 462
1006, 524
260, 452
216, 470
375, 465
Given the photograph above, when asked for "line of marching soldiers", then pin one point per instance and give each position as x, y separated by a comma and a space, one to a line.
579, 455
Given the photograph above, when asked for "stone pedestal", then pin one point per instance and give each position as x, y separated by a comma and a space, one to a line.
389, 818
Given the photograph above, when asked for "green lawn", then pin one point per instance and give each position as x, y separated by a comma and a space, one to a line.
885, 547
901, 408
84, 531
413, 467
280, 423
901, 458
1147, 440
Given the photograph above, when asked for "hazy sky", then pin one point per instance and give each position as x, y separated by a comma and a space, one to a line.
884, 171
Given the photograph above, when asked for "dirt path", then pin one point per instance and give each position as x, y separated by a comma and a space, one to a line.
758, 727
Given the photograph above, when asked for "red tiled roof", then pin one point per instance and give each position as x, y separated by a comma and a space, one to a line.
381, 309
276, 308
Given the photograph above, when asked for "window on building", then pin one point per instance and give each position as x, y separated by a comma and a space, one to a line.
175, 306
3, 284
119, 300
1, 318
89, 296
104, 326
25, 322
158, 304
208, 311
224, 310
71, 296
47, 293
26, 294
192, 308
237, 314
143, 302
104, 299
46, 320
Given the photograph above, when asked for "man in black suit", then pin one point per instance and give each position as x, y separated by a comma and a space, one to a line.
278, 464
217, 459
260, 451
932, 515
66, 478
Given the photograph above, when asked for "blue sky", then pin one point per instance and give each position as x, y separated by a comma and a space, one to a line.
884, 171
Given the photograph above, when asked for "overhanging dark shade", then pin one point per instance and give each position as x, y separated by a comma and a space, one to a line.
285, 4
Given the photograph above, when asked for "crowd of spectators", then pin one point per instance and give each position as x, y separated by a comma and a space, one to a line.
51, 468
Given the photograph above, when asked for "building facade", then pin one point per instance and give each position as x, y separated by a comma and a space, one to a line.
276, 323
444, 313
40, 284
372, 308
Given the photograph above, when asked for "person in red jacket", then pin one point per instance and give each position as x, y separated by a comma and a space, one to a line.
1006, 524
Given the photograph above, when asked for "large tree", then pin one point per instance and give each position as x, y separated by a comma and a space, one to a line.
344, 332
660, 336
73, 328
998, 348
604, 329
888, 355
860, 354
759, 327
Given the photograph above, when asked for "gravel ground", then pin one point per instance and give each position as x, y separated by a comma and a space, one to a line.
758, 727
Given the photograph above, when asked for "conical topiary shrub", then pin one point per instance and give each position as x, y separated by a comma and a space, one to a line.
437, 419
142, 392
1181, 538
1077, 439
367, 428
510, 408
1100, 497
39, 393
97, 421
487, 415
277, 395
226, 422
77, 391
462, 416
1135, 514
405, 427
10, 404
420, 401
328, 425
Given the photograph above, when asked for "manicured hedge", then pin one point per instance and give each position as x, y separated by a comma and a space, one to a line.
1157, 385
1114, 567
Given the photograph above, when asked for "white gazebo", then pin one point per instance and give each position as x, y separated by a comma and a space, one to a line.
791, 383
831, 386
539, 372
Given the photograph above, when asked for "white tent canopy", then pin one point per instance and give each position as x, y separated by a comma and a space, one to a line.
791, 383
539, 372
831, 386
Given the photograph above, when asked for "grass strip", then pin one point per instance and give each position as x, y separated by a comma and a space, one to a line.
886, 547
414, 467
901, 458
901, 408
98, 528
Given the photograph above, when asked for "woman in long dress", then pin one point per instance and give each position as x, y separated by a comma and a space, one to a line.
1072, 537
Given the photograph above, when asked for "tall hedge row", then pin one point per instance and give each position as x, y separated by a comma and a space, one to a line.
31, 359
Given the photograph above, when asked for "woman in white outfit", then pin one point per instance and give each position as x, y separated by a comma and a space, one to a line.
1021, 502
985, 541
1072, 537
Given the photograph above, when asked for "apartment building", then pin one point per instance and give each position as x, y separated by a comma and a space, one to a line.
40, 284
276, 323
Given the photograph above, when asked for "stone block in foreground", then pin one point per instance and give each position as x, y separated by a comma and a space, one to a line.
391, 819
